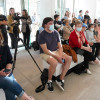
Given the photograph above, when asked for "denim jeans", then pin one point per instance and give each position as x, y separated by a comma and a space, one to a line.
10, 87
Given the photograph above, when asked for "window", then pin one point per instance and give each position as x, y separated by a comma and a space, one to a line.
97, 14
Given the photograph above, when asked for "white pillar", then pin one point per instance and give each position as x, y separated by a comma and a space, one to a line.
47, 9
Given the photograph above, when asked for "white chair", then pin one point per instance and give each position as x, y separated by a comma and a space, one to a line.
59, 66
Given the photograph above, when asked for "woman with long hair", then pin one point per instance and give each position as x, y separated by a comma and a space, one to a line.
26, 28
7, 80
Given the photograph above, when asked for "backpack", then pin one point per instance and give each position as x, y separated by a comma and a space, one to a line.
44, 79
79, 69
35, 44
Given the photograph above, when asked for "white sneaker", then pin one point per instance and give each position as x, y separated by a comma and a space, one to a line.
91, 62
99, 57
88, 72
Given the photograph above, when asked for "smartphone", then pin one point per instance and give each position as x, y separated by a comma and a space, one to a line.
7, 70
63, 60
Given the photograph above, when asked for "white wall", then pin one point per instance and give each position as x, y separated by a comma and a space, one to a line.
47, 9
86, 5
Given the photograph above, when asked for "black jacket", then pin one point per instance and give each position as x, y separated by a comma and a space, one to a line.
5, 56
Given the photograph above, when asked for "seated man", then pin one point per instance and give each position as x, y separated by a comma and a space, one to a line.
51, 51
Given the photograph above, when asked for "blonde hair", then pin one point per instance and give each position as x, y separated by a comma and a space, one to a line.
1, 39
77, 22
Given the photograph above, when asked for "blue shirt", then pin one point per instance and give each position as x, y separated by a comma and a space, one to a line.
50, 39
81, 18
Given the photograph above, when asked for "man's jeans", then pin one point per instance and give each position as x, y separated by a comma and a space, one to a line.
10, 87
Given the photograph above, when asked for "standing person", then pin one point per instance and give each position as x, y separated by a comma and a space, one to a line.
52, 52
7, 80
79, 43
26, 28
13, 27
86, 16
80, 16
3, 23
95, 21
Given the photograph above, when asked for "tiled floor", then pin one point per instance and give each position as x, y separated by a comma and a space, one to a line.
77, 87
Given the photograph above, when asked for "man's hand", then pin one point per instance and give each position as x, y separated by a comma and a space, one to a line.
59, 59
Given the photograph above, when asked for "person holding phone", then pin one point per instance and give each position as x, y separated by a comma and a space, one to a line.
7, 80
52, 52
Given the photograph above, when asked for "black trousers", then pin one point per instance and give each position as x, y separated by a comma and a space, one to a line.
26, 37
97, 46
13, 40
88, 56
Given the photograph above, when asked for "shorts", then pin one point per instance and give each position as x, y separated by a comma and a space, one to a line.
45, 56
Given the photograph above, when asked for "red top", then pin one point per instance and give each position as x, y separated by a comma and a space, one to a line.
73, 40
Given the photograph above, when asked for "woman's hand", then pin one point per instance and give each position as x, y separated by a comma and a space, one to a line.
89, 49
2, 73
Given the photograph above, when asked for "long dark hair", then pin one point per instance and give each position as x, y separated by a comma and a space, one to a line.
89, 26
26, 13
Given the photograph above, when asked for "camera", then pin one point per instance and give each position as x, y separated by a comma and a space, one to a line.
17, 18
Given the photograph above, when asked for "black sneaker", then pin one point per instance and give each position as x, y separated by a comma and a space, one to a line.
50, 86
60, 83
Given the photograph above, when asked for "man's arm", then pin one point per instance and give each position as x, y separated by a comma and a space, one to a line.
48, 52
60, 49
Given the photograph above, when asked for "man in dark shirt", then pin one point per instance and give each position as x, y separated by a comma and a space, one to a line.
3, 23
58, 24
51, 51
86, 16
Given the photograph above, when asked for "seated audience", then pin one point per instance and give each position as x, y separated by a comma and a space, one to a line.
66, 31
96, 35
52, 52
90, 21
73, 15
99, 29
67, 15
91, 44
85, 21
90, 38
73, 23
58, 24
79, 43
80, 16
95, 21
7, 80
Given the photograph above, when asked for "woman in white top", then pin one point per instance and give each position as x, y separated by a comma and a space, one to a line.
91, 39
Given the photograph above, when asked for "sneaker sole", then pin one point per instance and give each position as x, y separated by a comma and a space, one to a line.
59, 86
